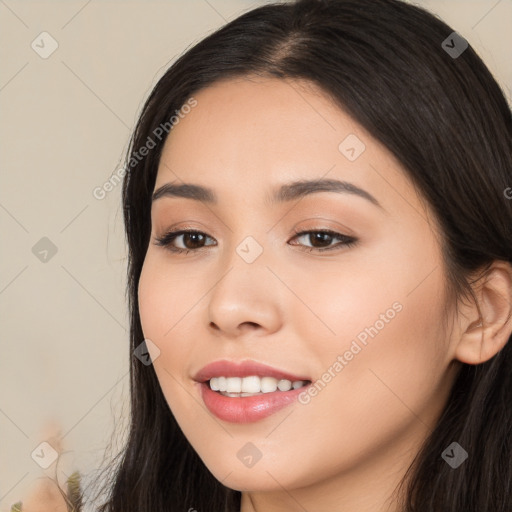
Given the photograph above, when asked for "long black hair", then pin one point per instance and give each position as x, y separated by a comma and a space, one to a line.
436, 107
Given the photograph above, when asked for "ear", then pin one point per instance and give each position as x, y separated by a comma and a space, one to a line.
486, 325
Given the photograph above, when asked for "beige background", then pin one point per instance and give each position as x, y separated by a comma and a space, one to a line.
65, 122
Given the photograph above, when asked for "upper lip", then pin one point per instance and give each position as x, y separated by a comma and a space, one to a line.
225, 368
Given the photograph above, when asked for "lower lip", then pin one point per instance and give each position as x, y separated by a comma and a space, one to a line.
249, 408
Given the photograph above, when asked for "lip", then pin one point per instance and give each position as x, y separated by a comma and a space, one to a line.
250, 408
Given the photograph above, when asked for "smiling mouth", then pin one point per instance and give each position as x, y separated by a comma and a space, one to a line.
252, 385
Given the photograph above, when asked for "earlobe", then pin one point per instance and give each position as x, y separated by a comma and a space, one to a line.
488, 325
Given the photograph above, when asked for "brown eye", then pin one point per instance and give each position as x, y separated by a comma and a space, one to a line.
186, 241
193, 240
321, 240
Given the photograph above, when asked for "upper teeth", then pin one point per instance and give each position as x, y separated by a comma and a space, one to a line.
253, 384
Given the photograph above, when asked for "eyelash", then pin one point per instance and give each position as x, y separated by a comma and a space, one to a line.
170, 236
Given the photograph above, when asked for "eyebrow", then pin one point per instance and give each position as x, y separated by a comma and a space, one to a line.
288, 192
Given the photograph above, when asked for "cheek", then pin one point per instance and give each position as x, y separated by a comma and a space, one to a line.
163, 301
393, 364
391, 325
387, 390
393, 348
355, 299
168, 313
166, 298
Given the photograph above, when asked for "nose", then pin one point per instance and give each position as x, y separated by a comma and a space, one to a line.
246, 298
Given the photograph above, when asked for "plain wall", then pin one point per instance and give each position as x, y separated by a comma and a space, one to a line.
65, 123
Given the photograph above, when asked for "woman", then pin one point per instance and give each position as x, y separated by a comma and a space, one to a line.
371, 94
365, 93
320, 248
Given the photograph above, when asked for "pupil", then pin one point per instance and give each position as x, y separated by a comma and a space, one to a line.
192, 235
319, 237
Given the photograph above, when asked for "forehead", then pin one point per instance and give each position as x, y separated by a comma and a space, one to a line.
254, 132
243, 112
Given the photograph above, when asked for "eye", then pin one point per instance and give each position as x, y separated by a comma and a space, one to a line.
191, 240
321, 240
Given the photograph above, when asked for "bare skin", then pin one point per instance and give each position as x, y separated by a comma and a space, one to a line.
350, 445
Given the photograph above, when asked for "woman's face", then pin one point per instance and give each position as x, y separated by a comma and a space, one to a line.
362, 320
